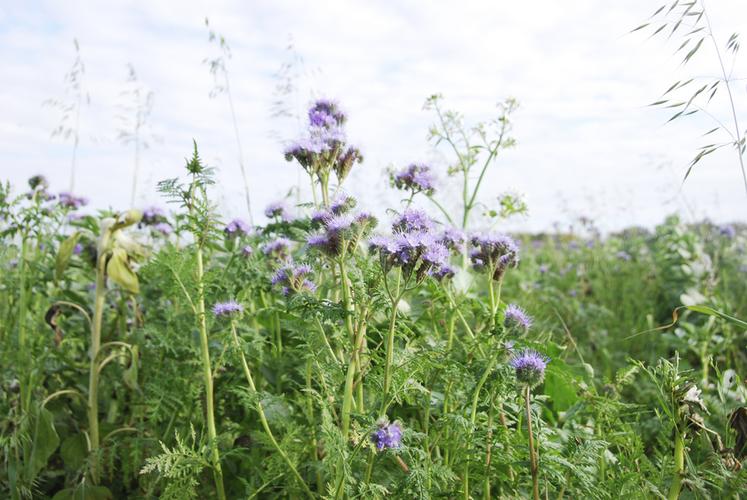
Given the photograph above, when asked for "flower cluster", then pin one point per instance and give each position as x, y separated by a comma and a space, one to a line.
237, 227
494, 253
324, 148
414, 247
293, 279
278, 210
152, 216
341, 230
68, 200
228, 308
416, 177
517, 318
529, 366
277, 248
387, 435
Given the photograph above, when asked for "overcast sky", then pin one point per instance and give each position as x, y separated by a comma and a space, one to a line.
587, 143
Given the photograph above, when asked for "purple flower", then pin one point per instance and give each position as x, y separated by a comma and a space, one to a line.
543, 268
319, 217
728, 231
164, 228
412, 220
293, 279
442, 273
68, 200
494, 252
77, 249
237, 227
277, 210
416, 178
623, 255
152, 215
453, 238
529, 366
326, 113
387, 435
247, 251
277, 248
227, 308
516, 317
342, 204
341, 232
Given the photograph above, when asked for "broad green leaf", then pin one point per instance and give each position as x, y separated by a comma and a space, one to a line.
84, 492
74, 451
119, 270
559, 385
44, 443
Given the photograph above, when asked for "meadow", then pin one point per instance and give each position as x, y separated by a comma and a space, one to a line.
168, 352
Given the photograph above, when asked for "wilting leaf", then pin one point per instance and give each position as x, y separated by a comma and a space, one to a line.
130, 374
64, 254
51, 318
119, 270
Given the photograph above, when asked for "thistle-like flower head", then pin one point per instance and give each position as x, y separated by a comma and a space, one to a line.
529, 366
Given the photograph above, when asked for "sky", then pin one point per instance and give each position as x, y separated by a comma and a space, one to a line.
587, 143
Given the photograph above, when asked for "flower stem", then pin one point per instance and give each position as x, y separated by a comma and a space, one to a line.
207, 373
532, 455
679, 465
389, 353
93, 377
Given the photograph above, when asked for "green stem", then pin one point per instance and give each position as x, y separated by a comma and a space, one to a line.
679, 465
532, 455
263, 417
347, 402
93, 378
207, 374
22, 306
389, 354
473, 413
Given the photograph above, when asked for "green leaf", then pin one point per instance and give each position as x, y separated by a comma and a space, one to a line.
45, 442
713, 312
560, 386
119, 270
64, 254
74, 451
84, 492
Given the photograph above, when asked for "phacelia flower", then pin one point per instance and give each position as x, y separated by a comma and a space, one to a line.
412, 220
277, 248
387, 435
728, 231
293, 279
247, 251
152, 216
164, 228
277, 210
529, 366
623, 255
341, 232
237, 227
326, 113
494, 252
227, 308
342, 204
453, 238
516, 317
443, 272
68, 200
416, 178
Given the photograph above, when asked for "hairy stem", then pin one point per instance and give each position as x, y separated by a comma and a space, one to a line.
532, 454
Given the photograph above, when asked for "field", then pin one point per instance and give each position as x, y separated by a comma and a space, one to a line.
159, 353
